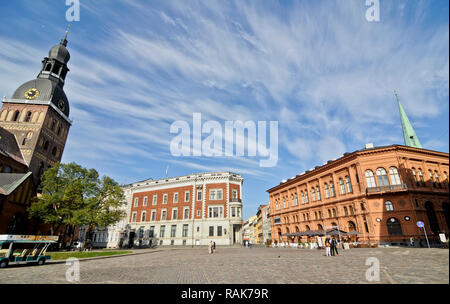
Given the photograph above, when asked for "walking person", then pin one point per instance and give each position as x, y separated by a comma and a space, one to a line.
250, 243
327, 247
334, 250
210, 247
214, 247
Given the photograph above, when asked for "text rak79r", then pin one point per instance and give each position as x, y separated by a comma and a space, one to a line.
246, 293
237, 293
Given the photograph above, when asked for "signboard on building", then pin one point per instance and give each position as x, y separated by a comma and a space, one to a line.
46, 238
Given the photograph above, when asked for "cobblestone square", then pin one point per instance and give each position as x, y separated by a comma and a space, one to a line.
246, 266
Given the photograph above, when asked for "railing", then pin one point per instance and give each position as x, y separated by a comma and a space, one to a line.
235, 200
389, 188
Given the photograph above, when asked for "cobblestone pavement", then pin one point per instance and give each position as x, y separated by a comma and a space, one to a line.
247, 266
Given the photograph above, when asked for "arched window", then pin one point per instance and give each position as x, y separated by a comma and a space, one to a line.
320, 214
436, 179
327, 191
306, 197
28, 117
345, 211
53, 126
329, 213
319, 227
16, 116
313, 191
333, 194
421, 177
342, 186
54, 150
394, 227
389, 206
434, 225
395, 178
318, 193
307, 228
303, 197
382, 177
349, 184
59, 130
370, 179
46, 144
352, 212
351, 226
415, 176
432, 178
334, 212
296, 199
315, 215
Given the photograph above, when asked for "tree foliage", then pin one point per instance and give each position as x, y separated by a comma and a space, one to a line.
76, 196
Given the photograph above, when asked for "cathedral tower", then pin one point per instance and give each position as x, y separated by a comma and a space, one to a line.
38, 113
411, 139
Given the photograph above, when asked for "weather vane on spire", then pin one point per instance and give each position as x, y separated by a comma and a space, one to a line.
64, 40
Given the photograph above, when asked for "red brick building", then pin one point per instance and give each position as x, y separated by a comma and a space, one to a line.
188, 210
380, 192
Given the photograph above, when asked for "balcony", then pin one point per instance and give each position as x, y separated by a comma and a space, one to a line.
235, 200
390, 188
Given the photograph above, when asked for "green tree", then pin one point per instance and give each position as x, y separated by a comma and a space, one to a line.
75, 196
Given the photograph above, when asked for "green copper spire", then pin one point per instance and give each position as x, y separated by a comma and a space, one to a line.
411, 139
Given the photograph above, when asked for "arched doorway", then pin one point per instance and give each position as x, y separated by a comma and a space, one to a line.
352, 227
445, 207
394, 227
279, 235
434, 225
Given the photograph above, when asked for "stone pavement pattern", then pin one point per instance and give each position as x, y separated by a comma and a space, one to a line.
247, 266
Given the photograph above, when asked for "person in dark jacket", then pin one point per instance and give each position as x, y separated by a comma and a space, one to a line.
334, 247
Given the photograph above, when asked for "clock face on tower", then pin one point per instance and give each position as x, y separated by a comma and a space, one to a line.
32, 93
61, 105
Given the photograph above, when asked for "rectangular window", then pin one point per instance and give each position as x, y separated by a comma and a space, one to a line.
165, 196
233, 212
219, 230
185, 230
234, 193
145, 200
173, 230
216, 194
163, 215
155, 199
215, 212
211, 230
153, 215
136, 201
162, 231
152, 231
199, 195
175, 197
174, 214
186, 213
186, 196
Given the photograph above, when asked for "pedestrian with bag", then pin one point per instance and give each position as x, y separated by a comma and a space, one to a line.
327, 247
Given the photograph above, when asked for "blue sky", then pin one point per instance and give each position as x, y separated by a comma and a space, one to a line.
318, 67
